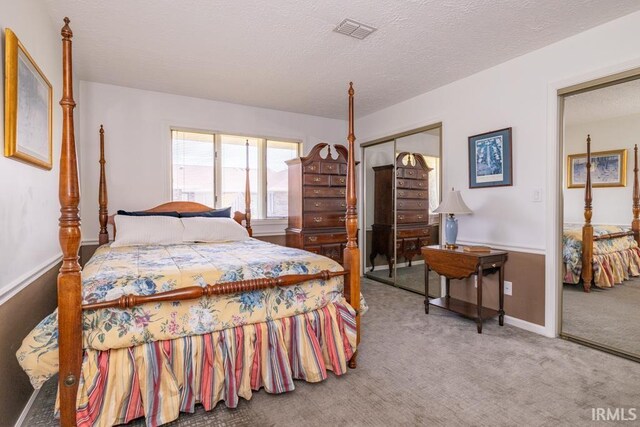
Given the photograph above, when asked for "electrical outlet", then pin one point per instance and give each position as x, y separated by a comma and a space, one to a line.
508, 288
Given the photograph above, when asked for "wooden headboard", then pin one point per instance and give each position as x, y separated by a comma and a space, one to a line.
178, 206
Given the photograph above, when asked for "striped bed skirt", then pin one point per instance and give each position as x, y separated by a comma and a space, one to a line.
159, 380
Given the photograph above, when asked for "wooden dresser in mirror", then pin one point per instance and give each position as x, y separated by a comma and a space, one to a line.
411, 183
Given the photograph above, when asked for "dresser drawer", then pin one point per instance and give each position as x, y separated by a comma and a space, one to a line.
313, 167
323, 205
419, 184
409, 217
412, 194
329, 168
333, 251
410, 245
314, 220
324, 192
313, 249
338, 181
413, 204
403, 183
408, 173
414, 232
322, 238
313, 179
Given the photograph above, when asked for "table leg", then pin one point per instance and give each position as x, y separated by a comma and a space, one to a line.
446, 288
426, 288
479, 301
501, 281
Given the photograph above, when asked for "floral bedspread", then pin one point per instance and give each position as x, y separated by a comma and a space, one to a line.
146, 270
610, 254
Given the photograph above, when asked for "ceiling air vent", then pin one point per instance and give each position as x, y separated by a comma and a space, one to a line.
352, 28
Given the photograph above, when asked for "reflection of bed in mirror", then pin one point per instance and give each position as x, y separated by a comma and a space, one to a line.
602, 255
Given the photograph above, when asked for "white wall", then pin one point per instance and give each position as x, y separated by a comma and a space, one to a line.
513, 94
138, 144
610, 205
29, 207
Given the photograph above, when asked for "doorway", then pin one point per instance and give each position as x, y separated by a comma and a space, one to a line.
402, 185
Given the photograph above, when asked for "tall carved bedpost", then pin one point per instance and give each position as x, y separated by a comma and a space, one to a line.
69, 288
587, 228
635, 224
247, 195
351, 254
103, 201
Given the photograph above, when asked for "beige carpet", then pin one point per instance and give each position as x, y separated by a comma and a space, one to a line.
418, 369
412, 278
610, 316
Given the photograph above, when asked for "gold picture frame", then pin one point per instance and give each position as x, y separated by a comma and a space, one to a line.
28, 108
608, 169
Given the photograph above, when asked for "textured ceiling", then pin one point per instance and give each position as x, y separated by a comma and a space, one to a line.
283, 54
601, 104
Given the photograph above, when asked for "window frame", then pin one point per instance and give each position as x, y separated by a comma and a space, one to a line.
262, 192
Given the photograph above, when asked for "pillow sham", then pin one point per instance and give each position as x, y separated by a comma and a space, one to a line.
214, 213
147, 230
203, 229
143, 213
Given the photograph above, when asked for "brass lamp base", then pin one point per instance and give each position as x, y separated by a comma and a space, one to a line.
450, 246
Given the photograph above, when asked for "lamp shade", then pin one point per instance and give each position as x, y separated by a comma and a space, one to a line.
453, 204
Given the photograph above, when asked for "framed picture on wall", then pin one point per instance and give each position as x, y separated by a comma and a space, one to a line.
608, 169
28, 106
490, 159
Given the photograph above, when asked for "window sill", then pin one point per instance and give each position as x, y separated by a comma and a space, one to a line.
269, 227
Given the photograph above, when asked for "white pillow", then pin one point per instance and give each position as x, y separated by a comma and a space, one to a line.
202, 229
147, 230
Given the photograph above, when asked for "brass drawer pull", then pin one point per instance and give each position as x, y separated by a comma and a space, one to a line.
400, 216
343, 205
312, 168
341, 180
312, 238
419, 216
317, 219
410, 172
316, 191
342, 219
420, 204
330, 167
420, 194
400, 182
342, 192
316, 179
317, 204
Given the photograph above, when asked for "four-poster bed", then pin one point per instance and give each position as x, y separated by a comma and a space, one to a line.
602, 255
211, 359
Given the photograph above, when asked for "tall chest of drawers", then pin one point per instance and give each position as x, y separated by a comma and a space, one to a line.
413, 230
317, 202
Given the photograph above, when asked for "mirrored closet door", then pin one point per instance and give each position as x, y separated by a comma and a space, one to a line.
601, 205
402, 188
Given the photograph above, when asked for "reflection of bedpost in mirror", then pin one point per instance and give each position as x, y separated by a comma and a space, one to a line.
600, 252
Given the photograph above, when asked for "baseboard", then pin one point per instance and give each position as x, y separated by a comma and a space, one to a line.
527, 326
25, 411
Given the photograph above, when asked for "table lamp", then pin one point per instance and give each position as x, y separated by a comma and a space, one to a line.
451, 205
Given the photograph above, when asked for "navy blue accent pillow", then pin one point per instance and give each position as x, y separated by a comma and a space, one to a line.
141, 213
214, 213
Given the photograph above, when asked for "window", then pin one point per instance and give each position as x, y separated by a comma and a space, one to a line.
211, 168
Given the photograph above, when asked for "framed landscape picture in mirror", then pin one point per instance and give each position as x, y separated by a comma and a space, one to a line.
28, 106
490, 159
608, 169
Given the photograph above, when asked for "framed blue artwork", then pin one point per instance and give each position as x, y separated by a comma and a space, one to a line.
490, 159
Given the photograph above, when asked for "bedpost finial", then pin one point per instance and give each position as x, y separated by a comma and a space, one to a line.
101, 129
66, 30
351, 91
